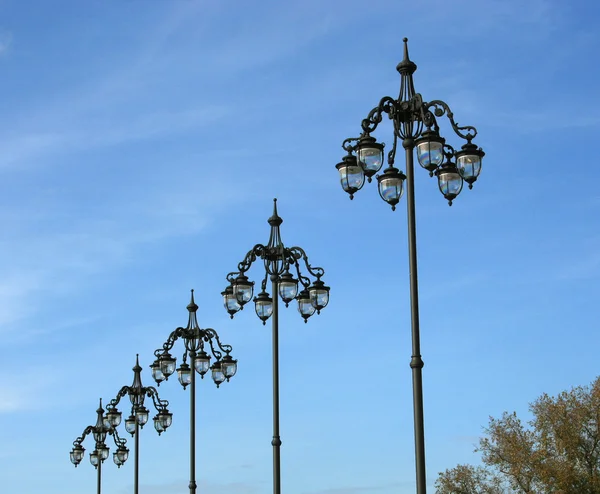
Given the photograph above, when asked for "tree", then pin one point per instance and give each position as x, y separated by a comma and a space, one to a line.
558, 452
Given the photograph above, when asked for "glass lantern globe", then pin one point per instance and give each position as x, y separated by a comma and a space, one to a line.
449, 181
121, 454
157, 374
130, 424
243, 289
159, 425
352, 176
263, 304
167, 364
202, 363
229, 367
113, 418
184, 374
95, 458
288, 287
468, 162
391, 186
369, 154
103, 452
217, 373
141, 415
305, 306
77, 454
430, 150
230, 301
319, 295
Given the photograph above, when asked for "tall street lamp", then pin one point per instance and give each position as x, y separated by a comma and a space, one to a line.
195, 341
283, 267
415, 124
139, 413
101, 450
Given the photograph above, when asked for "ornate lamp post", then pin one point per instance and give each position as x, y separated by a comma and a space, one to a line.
415, 124
282, 266
100, 453
139, 413
196, 342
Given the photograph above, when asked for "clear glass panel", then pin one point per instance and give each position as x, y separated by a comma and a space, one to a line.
184, 374
231, 303
141, 415
104, 453
158, 424
264, 309
229, 369
319, 298
450, 184
305, 307
352, 178
391, 189
469, 166
288, 290
202, 364
217, 374
243, 293
94, 459
130, 424
430, 154
370, 159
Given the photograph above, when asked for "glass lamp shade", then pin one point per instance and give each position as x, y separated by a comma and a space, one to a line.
352, 176
263, 304
430, 150
103, 452
305, 307
142, 415
202, 363
369, 154
217, 373
449, 181
230, 301
184, 374
167, 418
167, 364
319, 295
468, 162
288, 287
120, 455
158, 424
130, 424
94, 458
229, 367
113, 418
243, 290
391, 186
77, 454
157, 374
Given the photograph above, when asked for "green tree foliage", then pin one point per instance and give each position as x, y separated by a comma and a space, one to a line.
557, 452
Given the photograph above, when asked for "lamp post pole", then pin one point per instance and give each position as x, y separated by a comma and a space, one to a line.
281, 265
415, 125
196, 340
100, 453
139, 413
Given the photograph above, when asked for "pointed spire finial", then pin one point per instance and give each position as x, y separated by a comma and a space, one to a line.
137, 367
275, 220
192, 307
407, 66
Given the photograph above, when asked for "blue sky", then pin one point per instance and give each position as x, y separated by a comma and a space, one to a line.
141, 145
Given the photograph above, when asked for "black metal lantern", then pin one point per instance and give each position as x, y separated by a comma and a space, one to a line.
288, 287
230, 301
305, 306
202, 363
184, 374
319, 295
229, 367
263, 306
217, 373
352, 176
142, 415
391, 186
369, 154
130, 424
430, 150
167, 364
157, 374
468, 162
449, 181
243, 289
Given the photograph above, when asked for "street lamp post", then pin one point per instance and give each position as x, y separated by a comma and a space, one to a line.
415, 124
281, 265
139, 413
223, 369
100, 453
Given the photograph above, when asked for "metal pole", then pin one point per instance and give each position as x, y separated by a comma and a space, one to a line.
416, 362
193, 425
99, 474
276, 442
137, 458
